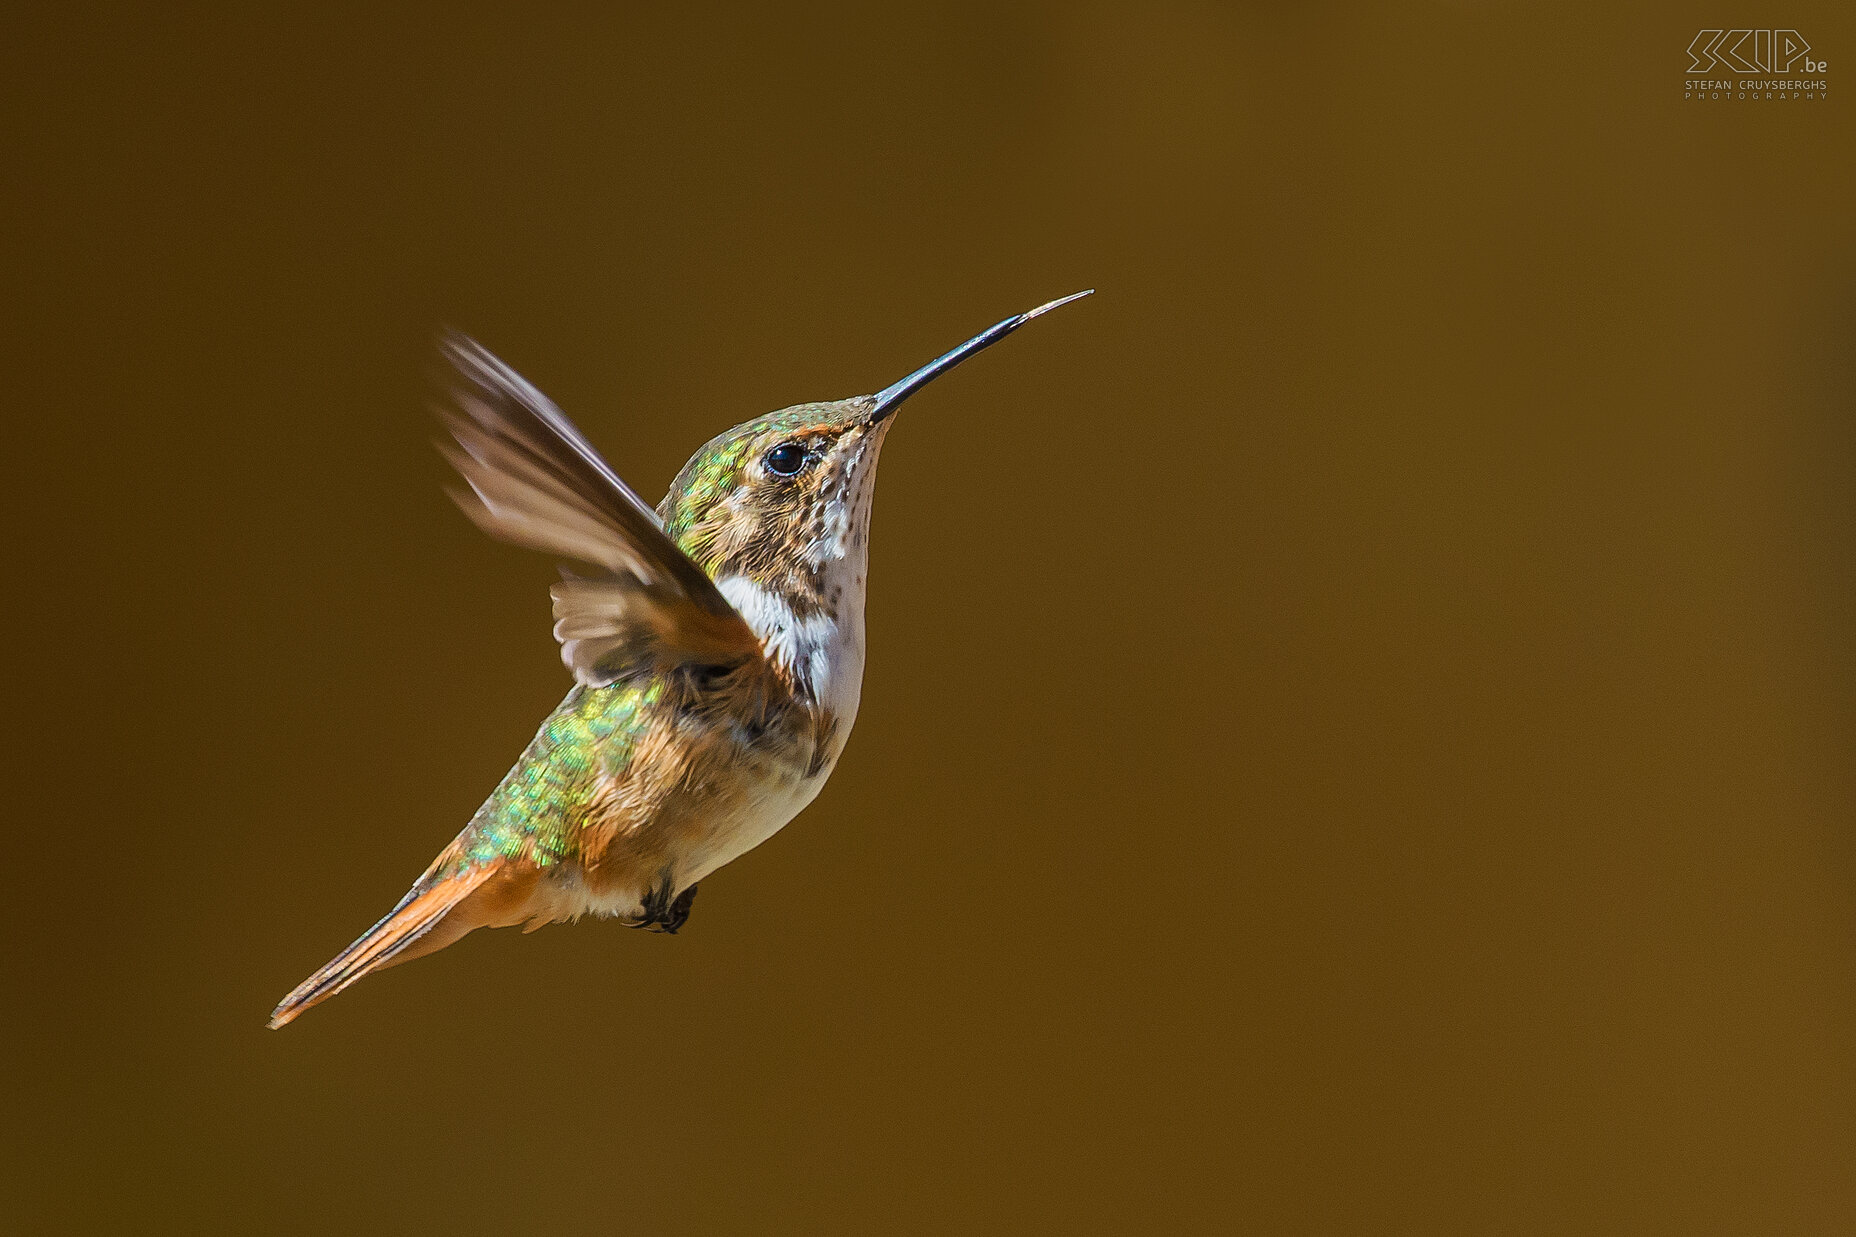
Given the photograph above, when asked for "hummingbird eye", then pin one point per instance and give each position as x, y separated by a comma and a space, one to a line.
786, 459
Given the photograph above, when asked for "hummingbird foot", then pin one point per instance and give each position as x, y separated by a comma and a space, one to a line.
661, 913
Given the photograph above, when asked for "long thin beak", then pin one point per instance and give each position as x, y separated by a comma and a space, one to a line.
890, 396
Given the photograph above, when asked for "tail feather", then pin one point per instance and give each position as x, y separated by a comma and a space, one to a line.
407, 924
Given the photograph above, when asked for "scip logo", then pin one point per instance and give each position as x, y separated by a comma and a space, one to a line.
1751, 51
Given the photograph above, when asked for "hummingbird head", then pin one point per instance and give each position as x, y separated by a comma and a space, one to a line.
784, 500
778, 499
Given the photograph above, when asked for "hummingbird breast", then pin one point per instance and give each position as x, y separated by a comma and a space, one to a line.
812, 636
782, 768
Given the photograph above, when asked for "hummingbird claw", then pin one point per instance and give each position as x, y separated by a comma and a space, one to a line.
680, 910
661, 914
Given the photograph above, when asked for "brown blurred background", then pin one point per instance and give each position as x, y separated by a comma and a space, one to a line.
1357, 734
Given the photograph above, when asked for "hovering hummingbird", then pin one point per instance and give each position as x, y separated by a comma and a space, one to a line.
718, 657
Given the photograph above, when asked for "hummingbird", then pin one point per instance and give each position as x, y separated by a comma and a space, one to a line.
716, 646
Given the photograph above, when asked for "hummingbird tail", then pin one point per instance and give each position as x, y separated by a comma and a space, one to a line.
406, 933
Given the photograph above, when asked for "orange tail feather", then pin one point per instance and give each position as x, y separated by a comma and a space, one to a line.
410, 929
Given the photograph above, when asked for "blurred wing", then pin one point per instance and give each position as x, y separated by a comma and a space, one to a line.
536, 481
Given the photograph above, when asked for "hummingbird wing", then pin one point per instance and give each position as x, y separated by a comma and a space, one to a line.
537, 482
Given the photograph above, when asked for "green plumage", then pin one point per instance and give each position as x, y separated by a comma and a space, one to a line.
536, 812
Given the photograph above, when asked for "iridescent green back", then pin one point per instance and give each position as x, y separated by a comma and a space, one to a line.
536, 813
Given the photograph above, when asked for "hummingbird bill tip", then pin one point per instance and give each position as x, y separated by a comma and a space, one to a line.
890, 396
1047, 306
